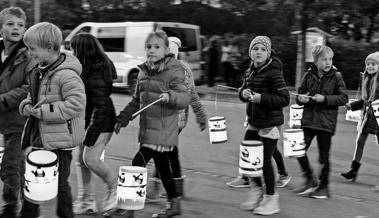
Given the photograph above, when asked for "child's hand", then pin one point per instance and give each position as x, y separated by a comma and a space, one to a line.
117, 127
304, 98
318, 98
26, 110
255, 97
246, 94
348, 106
165, 97
36, 112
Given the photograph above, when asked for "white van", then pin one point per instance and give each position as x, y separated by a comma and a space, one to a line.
124, 44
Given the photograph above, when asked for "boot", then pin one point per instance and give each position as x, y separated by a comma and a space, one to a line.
269, 205
179, 184
172, 210
351, 175
119, 213
255, 196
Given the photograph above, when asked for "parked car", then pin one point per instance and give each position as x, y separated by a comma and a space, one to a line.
124, 42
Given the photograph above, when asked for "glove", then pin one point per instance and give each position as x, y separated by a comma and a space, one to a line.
202, 126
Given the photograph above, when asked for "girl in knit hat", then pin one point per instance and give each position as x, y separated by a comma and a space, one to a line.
325, 84
368, 124
265, 93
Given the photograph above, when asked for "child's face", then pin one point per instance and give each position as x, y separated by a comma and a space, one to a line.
259, 54
41, 55
155, 49
371, 66
13, 28
325, 61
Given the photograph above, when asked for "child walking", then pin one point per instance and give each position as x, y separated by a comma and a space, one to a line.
161, 77
14, 65
201, 119
98, 74
57, 124
265, 92
325, 84
368, 124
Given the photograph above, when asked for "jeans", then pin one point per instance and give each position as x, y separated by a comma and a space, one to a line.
360, 144
64, 198
324, 143
162, 164
11, 172
89, 161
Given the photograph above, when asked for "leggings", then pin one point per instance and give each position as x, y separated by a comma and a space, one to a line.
162, 165
360, 144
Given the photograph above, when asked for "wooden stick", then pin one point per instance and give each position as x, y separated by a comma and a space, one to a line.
39, 103
228, 87
292, 93
144, 108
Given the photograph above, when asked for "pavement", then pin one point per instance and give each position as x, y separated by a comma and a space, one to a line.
208, 167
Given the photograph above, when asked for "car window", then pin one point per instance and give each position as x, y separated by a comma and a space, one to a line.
112, 38
186, 35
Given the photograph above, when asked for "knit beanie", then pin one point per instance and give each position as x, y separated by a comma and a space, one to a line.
264, 40
174, 45
373, 56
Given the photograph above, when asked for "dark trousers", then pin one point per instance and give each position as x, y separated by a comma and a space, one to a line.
269, 148
278, 158
162, 164
11, 172
64, 198
324, 142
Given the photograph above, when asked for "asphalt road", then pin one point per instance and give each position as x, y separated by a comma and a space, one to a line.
209, 166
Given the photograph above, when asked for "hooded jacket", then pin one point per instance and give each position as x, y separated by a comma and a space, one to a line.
62, 114
322, 116
269, 82
13, 87
158, 123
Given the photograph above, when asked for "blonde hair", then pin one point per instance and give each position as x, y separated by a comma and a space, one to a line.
158, 35
44, 34
15, 11
319, 50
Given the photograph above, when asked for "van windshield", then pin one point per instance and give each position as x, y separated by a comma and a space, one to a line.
186, 35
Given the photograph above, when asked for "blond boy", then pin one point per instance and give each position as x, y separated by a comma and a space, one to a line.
55, 106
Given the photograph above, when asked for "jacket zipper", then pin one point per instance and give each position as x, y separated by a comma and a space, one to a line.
69, 126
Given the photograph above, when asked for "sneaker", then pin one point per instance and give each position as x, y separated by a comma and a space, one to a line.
269, 205
307, 188
239, 182
84, 207
320, 193
110, 201
255, 196
283, 181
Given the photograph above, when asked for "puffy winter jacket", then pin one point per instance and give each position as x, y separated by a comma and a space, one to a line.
322, 116
62, 114
158, 123
269, 82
